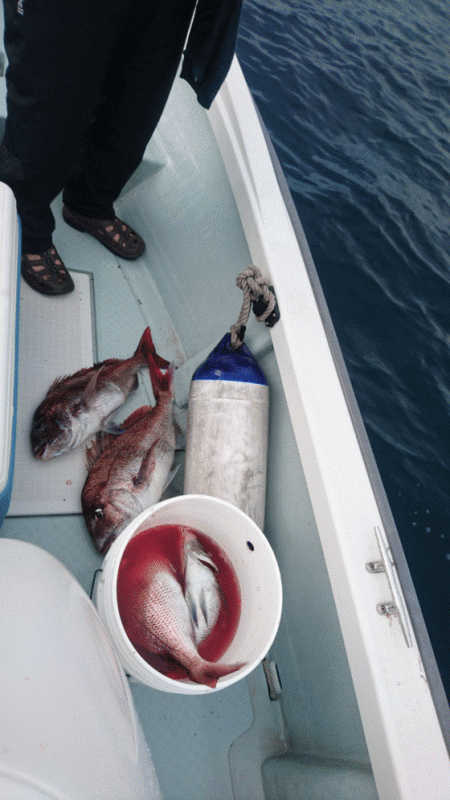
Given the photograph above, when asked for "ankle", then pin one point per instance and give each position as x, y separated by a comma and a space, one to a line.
36, 246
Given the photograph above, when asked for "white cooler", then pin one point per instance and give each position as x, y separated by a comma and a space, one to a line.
68, 726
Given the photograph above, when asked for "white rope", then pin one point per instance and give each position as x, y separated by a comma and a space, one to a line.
253, 285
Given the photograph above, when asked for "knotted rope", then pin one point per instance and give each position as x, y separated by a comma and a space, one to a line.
254, 287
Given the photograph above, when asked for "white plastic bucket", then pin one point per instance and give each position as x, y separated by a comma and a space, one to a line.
256, 568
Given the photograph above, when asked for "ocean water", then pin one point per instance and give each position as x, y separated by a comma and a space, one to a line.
357, 102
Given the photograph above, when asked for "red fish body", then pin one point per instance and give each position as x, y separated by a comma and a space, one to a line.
128, 473
78, 406
159, 621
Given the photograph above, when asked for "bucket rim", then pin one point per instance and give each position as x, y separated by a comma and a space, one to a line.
110, 569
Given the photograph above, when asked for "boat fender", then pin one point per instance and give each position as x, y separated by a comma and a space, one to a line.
227, 430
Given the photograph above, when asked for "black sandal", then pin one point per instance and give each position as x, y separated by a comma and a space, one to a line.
46, 273
114, 234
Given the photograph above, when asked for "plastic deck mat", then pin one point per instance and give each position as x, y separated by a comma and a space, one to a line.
55, 339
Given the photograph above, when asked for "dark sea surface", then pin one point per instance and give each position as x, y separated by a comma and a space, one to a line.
357, 103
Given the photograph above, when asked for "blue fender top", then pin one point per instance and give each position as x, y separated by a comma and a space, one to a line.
226, 364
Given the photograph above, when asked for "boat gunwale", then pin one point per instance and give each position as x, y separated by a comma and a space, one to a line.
393, 761
392, 534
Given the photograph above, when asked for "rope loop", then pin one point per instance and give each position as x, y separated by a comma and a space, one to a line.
255, 287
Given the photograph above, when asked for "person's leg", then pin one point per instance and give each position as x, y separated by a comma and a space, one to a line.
58, 55
138, 82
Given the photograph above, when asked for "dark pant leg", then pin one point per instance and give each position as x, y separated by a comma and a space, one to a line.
58, 52
142, 70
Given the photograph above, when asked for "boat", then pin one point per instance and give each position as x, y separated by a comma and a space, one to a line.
348, 703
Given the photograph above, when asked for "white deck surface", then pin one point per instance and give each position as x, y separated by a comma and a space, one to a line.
51, 487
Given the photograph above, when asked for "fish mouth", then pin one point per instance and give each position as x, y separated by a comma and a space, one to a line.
39, 438
49, 439
39, 451
44, 451
106, 544
126, 508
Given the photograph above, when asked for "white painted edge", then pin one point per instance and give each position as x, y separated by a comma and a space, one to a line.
8, 311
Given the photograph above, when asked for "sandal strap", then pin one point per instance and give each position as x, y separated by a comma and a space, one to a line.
46, 273
127, 235
114, 234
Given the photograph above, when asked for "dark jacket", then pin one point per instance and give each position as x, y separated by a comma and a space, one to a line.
210, 47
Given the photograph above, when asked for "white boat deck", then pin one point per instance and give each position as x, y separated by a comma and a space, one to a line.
189, 738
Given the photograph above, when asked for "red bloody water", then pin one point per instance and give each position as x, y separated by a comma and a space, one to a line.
165, 543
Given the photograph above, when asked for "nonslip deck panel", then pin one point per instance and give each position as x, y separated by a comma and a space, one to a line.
63, 327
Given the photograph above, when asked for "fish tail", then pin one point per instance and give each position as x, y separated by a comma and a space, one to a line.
209, 672
161, 382
146, 352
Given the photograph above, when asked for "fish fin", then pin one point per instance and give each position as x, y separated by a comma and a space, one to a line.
136, 415
90, 387
203, 605
113, 427
209, 672
63, 380
141, 477
98, 446
161, 382
57, 383
108, 362
82, 373
144, 469
146, 352
92, 454
192, 609
180, 426
170, 477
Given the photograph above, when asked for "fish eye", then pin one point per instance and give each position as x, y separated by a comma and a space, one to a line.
40, 425
98, 513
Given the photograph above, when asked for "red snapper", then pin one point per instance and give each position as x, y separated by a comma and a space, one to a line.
78, 406
159, 621
129, 472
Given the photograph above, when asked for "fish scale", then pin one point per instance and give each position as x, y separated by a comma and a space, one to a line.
129, 472
158, 619
77, 406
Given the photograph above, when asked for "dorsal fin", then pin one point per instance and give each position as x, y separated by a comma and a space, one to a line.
66, 379
141, 412
61, 381
108, 362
